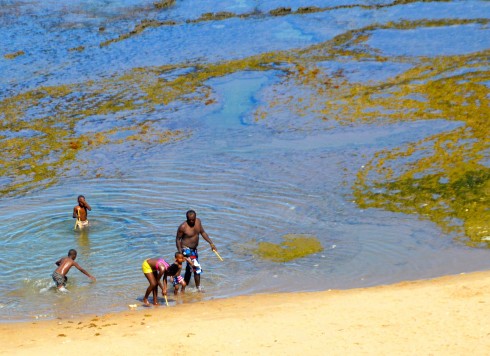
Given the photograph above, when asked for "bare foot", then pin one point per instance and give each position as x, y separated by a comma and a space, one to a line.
146, 301
156, 303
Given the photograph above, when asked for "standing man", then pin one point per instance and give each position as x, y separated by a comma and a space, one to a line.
80, 212
187, 240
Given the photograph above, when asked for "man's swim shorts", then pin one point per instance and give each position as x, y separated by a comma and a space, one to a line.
192, 254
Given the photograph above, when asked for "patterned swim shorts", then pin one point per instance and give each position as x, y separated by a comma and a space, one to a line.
192, 254
177, 280
59, 279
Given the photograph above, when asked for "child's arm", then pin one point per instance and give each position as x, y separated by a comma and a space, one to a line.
164, 288
161, 273
57, 263
75, 212
85, 204
84, 271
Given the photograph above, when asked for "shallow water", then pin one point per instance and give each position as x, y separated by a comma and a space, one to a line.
250, 180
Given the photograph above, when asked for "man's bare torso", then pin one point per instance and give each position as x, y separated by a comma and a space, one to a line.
190, 235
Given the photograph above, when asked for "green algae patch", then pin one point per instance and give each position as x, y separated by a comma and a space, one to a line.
281, 11
77, 49
308, 10
39, 149
14, 55
224, 15
294, 246
164, 4
213, 16
443, 178
139, 28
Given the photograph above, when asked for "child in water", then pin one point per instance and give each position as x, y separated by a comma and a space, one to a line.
156, 268
174, 272
80, 212
64, 264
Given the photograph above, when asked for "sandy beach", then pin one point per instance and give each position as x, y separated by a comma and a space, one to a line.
443, 316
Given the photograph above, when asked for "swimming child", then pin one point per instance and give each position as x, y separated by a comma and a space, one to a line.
64, 264
80, 212
156, 268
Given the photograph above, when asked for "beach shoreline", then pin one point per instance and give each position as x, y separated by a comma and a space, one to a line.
446, 316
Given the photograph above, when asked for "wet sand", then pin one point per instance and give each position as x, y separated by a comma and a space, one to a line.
443, 316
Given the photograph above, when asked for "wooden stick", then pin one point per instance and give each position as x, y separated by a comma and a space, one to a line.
166, 301
217, 254
78, 218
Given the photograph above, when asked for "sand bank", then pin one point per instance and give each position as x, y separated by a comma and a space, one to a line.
443, 316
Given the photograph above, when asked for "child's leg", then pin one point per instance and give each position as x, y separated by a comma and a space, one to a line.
182, 283
153, 282
155, 295
155, 289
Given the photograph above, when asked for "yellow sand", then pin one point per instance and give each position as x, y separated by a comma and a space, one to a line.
444, 316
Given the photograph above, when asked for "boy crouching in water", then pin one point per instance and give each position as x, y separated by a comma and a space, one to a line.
64, 264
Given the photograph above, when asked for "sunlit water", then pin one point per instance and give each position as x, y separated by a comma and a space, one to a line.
248, 182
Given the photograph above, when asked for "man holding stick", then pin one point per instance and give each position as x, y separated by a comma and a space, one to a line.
187, 240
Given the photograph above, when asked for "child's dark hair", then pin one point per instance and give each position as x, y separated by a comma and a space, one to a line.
72, 251
178, 254
173, 269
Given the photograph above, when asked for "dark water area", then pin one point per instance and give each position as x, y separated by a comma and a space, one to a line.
361, 124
